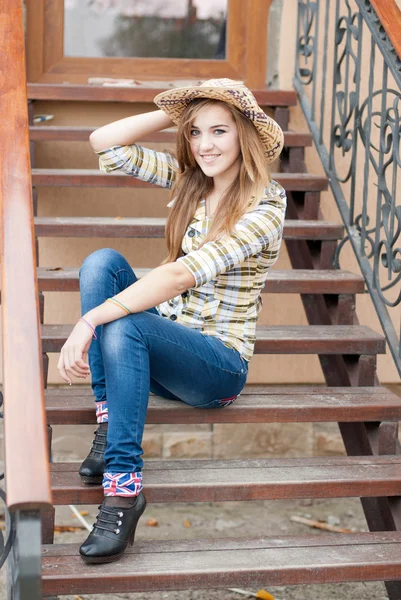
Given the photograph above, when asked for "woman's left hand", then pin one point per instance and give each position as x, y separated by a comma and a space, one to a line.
73, 356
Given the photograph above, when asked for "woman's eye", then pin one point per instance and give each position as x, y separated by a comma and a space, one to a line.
219, 131
194, 133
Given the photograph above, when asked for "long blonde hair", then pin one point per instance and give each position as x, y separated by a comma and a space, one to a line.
192, 184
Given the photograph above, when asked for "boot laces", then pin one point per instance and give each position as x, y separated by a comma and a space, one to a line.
103, 520
99, 443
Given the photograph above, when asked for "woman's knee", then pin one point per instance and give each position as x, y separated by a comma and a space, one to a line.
114, 337
100, 259
125, 333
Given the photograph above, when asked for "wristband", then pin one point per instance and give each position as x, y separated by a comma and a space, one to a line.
120, 304
90, 326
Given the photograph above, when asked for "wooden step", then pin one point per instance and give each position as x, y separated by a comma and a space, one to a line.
144, 93
48, 133
299, 182
298, 281
277, 339
223, 563
252, 479
257, 404
146, 227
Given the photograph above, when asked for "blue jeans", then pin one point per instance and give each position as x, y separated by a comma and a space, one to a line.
146, 352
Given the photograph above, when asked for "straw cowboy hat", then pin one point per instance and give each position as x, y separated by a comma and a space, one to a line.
174, 101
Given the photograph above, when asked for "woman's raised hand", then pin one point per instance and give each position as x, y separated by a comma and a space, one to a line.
74, 353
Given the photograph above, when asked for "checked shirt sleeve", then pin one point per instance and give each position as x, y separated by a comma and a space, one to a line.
257, 231
143, 163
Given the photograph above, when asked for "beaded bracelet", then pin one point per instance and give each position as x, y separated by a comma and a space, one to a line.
90, 326
120, 304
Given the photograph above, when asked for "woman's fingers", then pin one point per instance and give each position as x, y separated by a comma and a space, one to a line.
80, 362
62, 369
67, 366
75, 369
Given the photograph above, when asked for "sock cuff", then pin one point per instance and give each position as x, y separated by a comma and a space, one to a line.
122, 484
102, 413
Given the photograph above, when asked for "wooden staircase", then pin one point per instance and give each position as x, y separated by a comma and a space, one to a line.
367, 413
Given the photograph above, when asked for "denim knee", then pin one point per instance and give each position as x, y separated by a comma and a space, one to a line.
115, 338
99, 259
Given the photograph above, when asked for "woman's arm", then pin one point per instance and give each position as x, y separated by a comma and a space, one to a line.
130, 130
161, 284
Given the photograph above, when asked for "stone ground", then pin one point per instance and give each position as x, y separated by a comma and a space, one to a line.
232, 519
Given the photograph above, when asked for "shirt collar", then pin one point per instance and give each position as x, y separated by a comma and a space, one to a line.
200, 213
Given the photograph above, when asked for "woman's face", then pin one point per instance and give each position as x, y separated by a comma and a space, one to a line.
215, 144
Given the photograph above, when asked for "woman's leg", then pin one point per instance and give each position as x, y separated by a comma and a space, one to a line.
182, 363
193, 367
188, 365
103, 274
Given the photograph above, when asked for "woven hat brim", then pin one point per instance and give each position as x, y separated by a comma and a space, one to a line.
174, 101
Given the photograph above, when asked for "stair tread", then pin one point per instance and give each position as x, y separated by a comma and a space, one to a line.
143, 93
155, 227
95, 178
256, 404
291, 281
80, 134
252, 479
277, 339
245, 562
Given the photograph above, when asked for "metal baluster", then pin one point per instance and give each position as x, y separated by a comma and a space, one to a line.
315, 54
364, 214
324, 71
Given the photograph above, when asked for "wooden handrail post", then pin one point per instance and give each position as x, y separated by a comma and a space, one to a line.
27, 466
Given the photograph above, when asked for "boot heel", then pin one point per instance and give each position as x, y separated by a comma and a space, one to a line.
131, 538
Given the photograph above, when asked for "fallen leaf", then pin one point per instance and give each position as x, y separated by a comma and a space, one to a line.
263, 595
78, 598
187, 523
55, 269
119, 218
152, 523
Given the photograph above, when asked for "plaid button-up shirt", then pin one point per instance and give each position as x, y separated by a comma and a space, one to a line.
229, 273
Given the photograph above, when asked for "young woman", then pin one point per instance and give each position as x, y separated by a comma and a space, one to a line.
185, 331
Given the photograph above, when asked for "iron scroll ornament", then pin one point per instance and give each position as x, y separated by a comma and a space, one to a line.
308, 15
387, 231
348, 32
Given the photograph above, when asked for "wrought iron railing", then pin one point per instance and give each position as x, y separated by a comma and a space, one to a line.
348, 78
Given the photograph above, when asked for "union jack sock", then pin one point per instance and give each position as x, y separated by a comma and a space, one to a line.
102, 413
122, 484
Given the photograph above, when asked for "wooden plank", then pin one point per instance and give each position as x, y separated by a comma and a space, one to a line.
299, 182
277, 339
76, 406
51, 133
28, 487
196, 564
263, 479
298, 281
147, 227
94, 93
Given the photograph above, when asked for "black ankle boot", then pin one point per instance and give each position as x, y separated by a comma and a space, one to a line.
92, 469
113, 531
